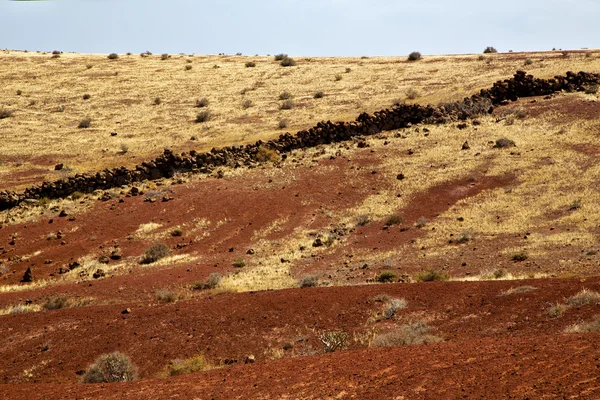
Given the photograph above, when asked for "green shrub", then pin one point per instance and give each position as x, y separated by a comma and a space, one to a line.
84, 123
195, 364
309, 281
155, 253
5, 113
239, 263
287, 62
394, 220
504, 143
431, 275
203, 102
386, 277
519, 257
114, 367
414, 56
203, 116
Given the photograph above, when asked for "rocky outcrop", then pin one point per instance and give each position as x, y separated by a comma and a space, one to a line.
397, 117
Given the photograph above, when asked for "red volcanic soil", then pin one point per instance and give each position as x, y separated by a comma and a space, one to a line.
54, 345
541, 367
495, 346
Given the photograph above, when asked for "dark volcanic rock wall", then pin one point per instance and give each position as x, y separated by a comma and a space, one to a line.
400, 116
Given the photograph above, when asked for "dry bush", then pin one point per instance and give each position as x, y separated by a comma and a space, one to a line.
519, 257
177, 232
319, 95
203, 116
188, 67
583, 298
239, 263
56, 303
282, 124
5, 113
166, 296
212, 280
84, 123
189, 365
503, 143
394, 220
203, 102
363, 219
518, 290
392, 307
308, 281
490, 50
113, 56
414, 56
155, 253
338, 77
386, 277
114, 367
86, 96
333, 340
267, 154
250, 64
431, 275
556, 310
406, 335
164, 56
287, 105
412, 94
285, 95
280, 57
247, 104
287, 62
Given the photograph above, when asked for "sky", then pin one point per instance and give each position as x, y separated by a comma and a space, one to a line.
298, 27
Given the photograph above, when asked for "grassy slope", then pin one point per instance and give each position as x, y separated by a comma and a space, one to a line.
122, 94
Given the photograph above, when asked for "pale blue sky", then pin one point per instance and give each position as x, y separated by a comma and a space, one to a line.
298, 27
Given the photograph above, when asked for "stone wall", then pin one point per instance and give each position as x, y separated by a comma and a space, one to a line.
397, 117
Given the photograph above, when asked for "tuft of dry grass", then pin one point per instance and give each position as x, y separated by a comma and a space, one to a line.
196, 363
406, 335
518, 290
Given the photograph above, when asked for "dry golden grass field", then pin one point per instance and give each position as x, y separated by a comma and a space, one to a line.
149, 102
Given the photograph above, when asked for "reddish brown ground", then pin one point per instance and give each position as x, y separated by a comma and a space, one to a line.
494, 345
